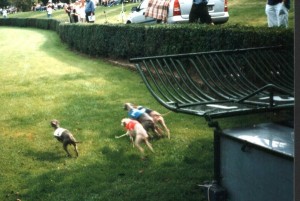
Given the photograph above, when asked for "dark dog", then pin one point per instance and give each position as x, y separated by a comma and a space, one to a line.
64, 136
157, 118
142, 117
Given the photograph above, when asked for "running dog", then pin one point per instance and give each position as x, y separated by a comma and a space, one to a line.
141, 116
135, 129
157, 118
64, 136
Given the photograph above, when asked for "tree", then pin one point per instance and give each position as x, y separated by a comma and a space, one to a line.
5, 3
23, 5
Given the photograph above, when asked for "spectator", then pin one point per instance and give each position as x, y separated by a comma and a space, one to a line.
4, 13
49, 10
33, 6
277, 13
89, 10
81, 13
198, 11
68, 11
104, 2
75, 12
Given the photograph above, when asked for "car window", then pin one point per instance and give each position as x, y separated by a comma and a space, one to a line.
144, 4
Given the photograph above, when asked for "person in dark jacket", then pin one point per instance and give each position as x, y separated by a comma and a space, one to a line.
198, 11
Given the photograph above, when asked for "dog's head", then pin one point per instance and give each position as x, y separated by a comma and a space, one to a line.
125, 121
128, 106
54, 123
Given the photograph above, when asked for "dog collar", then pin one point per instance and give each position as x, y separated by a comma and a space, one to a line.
58, 132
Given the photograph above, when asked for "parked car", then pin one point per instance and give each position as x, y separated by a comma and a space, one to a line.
179, 11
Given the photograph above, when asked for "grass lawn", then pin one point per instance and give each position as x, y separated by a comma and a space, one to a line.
40, 80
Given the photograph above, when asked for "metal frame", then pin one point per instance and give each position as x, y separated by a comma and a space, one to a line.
224, 83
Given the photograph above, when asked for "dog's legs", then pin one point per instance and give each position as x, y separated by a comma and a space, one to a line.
76, 149
137, 143
149, 145
162, 122
65, 146
140, 148
154, 129
159, 130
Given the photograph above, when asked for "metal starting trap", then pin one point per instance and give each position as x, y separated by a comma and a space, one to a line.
254, 163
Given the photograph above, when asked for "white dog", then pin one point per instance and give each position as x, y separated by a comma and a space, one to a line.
135, 129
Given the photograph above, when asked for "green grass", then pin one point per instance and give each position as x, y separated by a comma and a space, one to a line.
243, 12
40, 80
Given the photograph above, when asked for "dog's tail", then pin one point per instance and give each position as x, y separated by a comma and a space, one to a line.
166, 113
121, 136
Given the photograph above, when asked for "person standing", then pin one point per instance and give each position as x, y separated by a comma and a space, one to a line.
67, 8
277, 13
49, 10
89, 10
82, 13
4, 13
198, 11
75, 12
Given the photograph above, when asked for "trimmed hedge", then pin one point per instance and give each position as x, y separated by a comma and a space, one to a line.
128, 41
31, 22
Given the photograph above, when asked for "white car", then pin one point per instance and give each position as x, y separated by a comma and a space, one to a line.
179, 11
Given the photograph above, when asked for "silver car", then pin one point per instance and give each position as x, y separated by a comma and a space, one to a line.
179, 11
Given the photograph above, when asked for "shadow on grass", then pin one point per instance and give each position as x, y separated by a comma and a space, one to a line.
43, 156
120, 175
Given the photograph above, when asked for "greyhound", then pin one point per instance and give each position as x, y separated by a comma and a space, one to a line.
64, 136
135, 129
157, 118
142, 117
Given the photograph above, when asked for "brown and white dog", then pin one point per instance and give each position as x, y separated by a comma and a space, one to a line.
157, 118
64, 136
145, 119
137, 131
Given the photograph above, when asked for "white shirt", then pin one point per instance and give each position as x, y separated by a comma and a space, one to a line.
4, 12
49, 10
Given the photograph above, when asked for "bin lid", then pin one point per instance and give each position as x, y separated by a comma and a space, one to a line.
272, 136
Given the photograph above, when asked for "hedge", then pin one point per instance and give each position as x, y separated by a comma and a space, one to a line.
134, 40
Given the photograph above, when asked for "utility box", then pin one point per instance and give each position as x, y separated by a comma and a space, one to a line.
256, 163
